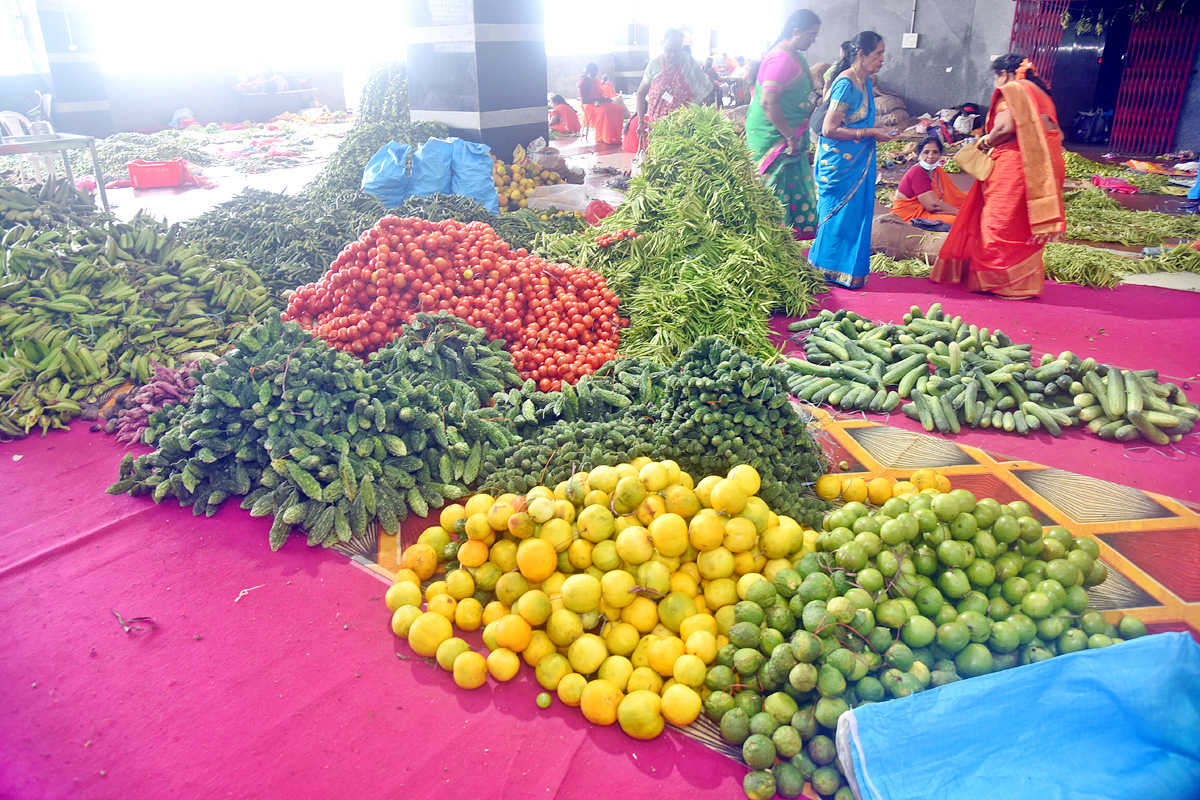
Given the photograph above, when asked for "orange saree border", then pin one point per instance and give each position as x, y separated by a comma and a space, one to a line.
1047, 216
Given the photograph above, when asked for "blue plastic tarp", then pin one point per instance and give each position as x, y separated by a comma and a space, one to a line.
1117, 723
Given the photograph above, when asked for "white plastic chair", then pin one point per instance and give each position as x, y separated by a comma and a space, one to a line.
31, 164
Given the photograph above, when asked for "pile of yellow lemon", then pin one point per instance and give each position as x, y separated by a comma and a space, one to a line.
855, 489
515, 182
617, 586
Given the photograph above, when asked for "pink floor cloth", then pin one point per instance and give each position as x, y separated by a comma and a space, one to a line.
1133, 327
290, 689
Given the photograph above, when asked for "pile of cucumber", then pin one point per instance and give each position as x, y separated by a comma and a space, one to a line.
958, 375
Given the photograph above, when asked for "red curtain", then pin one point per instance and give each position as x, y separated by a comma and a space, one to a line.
1157, 63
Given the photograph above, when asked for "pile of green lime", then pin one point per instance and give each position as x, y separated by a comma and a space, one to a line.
920, 592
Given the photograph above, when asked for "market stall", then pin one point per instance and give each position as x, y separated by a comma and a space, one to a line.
618, 499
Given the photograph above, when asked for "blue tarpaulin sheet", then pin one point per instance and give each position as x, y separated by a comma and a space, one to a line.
1115, 723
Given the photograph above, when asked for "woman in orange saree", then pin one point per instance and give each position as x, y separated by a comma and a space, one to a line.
996, 243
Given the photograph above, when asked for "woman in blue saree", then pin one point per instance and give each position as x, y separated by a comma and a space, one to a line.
845, 167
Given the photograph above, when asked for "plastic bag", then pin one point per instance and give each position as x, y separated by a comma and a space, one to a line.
431, 172
1117, 722
1114, 184
386, 175
471, 174
569, 197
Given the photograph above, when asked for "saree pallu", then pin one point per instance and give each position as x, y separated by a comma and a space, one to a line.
998, 242
845, 177
790, 176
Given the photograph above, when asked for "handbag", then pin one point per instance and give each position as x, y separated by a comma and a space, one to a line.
974, 162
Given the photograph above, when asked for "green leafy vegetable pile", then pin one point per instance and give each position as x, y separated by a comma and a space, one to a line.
714, 257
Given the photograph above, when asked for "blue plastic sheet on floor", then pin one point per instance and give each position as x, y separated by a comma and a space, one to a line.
1117, 723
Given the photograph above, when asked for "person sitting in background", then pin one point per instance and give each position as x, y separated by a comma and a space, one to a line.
715, 78
671, 81
607, 87
562, 117
739, 79
926, 190
834, 69
598, 110
730, 63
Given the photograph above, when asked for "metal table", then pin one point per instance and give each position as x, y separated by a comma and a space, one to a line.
56, 143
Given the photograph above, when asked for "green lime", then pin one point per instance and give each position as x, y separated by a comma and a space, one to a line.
954, 636
762, 592
748, 611
759, 785
717, 704
735, 725
1098, 640
821, 749
758, 751
946, 507
543, 700
1006, 529
1088, 545
763, 723
1131, 628
1004, 637
1072, 641
974, 659
1092, 622
719, 677
745, 634
789, 781
918, 631
828, 709
826, 780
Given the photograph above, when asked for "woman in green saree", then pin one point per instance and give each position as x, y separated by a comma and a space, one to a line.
777, 122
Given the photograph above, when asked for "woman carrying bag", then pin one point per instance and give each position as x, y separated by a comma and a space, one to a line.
1016, 204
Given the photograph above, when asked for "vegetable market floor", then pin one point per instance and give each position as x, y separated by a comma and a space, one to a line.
272, 674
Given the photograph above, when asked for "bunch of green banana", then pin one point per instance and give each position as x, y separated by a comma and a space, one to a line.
54, 202
85, 309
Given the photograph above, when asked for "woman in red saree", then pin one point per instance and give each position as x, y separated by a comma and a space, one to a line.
997, 241
599, 112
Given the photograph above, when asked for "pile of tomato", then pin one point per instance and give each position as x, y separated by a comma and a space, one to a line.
559, 322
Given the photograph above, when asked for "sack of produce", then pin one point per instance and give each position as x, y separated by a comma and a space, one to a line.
1113, 722
386, 175
896, 119
431, 168
887, 103
471, 173
896, 239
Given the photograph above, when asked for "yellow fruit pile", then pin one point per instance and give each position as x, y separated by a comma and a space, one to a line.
617, 586
515, 182
877, 490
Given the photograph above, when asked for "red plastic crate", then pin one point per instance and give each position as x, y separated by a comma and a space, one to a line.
156, 174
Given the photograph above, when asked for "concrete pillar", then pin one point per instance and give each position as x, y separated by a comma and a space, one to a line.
479, 67
632, 54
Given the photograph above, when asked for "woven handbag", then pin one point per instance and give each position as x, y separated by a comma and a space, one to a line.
974, 162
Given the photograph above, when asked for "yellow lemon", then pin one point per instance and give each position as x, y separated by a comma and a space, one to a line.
581, 593
503, 664
828, 487
854, 490
634, 545
702, 644
680, 705
494, 611
540, 645
564, 627
706, 530
459, 584
697, 622
427, 632
552, 669
473, 553
740, 535
587, 653
570, 689
663, 654
690, 670
715, 563
421, 559
617, 670
470, 670
642, 614
669, 533
704, 488
640, 714
514, 632
534, 606
468, 615
879, 490
448, 651
644, 679
478, 504
599, 702
728, 496
537, 559
747, 477
445, 605
403, 618
402, 594
621, 639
